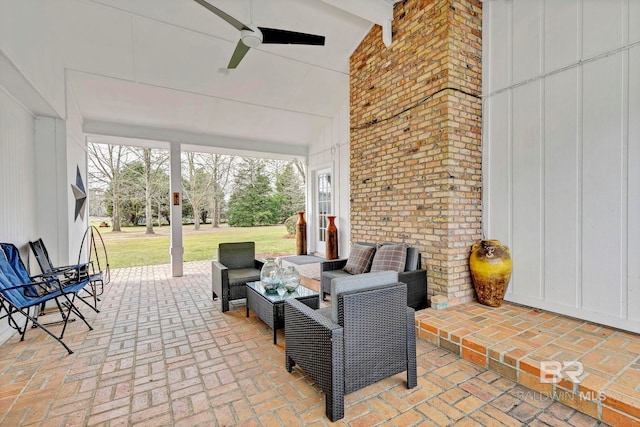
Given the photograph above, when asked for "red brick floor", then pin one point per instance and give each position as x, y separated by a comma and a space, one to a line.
518, 342
162, 354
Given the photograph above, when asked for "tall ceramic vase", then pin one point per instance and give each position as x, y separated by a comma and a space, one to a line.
332, 238
301, 234
491, 265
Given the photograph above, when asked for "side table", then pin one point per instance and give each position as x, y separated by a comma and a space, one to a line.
269, 307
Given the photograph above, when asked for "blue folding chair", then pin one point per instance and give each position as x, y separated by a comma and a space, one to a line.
19, 293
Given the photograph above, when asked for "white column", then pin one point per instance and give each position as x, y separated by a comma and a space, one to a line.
175, 188
55, 212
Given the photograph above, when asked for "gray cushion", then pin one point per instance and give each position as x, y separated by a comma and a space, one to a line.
358, 282
332, 274
237, 255
390, 257
413, 257
360, 258
243, 275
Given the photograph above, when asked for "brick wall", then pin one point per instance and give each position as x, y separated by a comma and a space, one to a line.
415, 118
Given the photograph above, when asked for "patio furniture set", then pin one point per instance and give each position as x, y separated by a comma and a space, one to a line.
366, 335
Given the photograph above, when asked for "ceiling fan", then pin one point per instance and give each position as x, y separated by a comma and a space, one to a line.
253, 36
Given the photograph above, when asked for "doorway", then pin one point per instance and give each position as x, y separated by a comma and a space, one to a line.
324, 206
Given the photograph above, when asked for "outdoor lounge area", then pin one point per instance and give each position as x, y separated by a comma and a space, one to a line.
163, 354
432, 124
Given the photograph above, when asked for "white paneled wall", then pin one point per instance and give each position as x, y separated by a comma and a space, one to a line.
17, 179
17, 172
561, 153
331, 150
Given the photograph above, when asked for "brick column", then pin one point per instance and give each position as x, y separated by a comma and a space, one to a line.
416, 138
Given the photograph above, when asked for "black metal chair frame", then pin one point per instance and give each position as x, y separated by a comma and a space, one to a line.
93, 269
19, 293
98, 260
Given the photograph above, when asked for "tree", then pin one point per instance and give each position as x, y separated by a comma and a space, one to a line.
97, 205
132, 192
252, 202
221, 166
130, 180
289, 195
156, 184
196, 183
148, 212
160, 184
105, 167
302, 170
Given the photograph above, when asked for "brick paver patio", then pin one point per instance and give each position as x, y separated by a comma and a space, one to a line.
603, 375
162, 354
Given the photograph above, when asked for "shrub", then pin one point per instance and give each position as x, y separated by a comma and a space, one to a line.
290, 223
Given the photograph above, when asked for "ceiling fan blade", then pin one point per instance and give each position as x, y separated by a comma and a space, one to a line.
230, 19
238, 54
275, 36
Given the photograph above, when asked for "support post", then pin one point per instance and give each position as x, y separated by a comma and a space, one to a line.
176, 250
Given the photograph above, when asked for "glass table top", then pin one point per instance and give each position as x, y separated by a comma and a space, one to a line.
300, 292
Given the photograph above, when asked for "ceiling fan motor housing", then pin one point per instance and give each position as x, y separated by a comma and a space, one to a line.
252, 37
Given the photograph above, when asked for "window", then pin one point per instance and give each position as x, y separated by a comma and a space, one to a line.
323, 203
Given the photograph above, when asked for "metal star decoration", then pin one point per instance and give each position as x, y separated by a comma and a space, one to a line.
80, 195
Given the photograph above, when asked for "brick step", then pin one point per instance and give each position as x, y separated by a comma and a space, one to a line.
601, 372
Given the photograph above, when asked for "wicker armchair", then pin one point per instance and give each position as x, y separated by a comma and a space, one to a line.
368, 334
235, 267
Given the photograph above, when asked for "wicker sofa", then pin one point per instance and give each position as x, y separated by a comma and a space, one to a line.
367, 334
413, 275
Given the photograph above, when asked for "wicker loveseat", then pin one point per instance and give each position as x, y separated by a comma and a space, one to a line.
367, 334
410, 270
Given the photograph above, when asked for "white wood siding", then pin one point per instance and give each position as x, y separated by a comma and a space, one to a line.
17, 173
331, 150
561, 153
17, 180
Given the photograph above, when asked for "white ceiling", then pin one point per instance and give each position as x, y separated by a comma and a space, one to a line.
156, 69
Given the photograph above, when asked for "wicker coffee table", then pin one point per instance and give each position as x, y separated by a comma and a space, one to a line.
269, 307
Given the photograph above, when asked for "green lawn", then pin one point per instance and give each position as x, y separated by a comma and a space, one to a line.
132, 247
